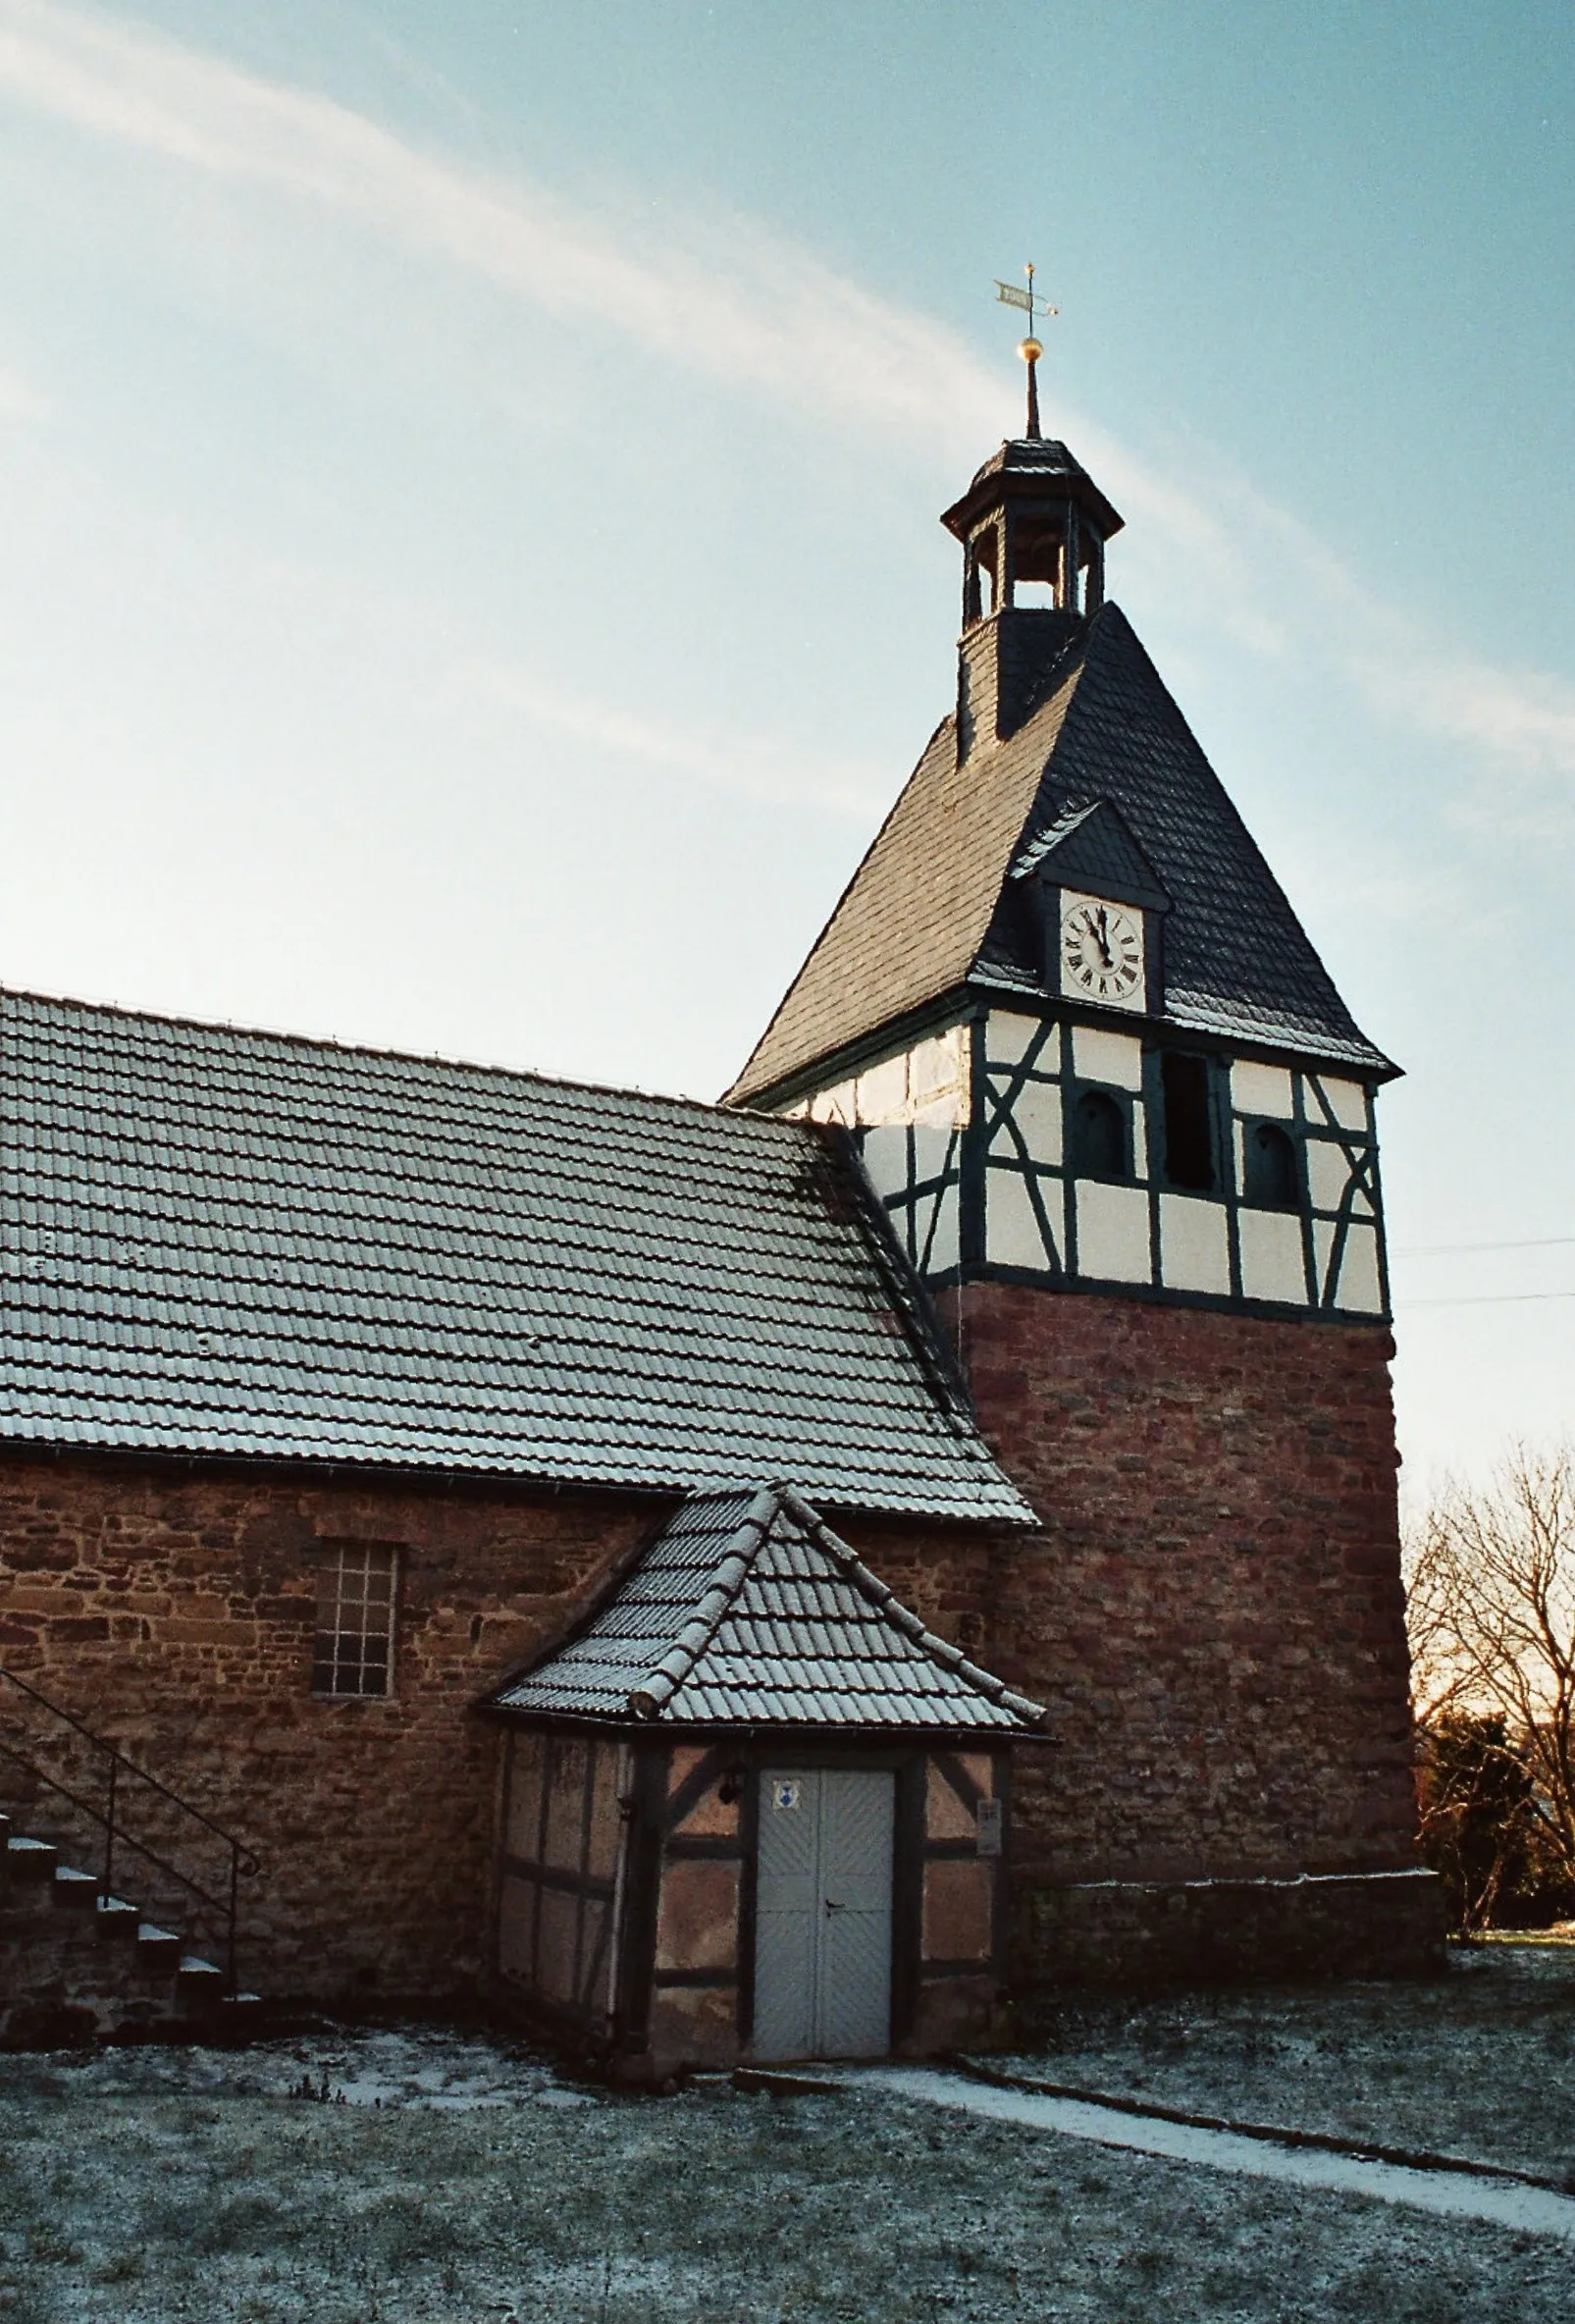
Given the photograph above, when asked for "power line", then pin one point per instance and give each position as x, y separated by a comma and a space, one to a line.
1438, 1250
1484, 1299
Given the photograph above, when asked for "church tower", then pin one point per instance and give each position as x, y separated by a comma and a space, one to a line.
1124, 1126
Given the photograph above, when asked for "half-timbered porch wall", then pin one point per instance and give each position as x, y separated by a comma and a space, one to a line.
560, 1827
652, 1959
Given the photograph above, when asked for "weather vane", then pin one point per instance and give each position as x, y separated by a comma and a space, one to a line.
1031, 348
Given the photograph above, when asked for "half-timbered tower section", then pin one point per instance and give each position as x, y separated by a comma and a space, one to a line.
333, 1386
1123, 1128
756, 1809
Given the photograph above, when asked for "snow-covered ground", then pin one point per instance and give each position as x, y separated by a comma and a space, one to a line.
461, 2179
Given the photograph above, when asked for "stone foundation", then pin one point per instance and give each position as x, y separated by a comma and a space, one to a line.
1141, 1932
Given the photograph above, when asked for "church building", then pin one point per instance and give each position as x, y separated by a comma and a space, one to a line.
770, 1579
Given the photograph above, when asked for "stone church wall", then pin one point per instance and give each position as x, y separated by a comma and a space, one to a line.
174, 1613
1214, 1615
173, 1609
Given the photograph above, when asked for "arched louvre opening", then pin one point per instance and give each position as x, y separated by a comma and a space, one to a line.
1273, 1181
1099, 1140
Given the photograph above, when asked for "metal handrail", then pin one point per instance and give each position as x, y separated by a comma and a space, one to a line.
242, 1862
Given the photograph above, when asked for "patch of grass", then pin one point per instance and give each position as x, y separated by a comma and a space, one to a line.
1478, 2062
710, 2208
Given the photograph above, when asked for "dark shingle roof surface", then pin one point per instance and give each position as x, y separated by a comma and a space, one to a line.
920, 917
225, 1242
749, 1611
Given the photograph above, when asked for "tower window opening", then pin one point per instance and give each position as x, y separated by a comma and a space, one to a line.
1189, 1131
1100, 1141
1037, 551
979, 592
1272, 1178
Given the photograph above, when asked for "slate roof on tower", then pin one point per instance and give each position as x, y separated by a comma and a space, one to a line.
923, 917
243, 1245
749, 1611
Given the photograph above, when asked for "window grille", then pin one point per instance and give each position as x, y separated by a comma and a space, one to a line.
354, 1650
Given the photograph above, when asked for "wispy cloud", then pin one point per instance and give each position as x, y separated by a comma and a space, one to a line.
1521, 720
20, 399
784, 328
759, 768
786, 325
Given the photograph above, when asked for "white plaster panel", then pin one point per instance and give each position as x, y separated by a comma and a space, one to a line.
836, 1105
1195, 1247
1323, 1244
1008, 1040
1112, 1232
1011, 1236
1263, 1089
885, 1159
927, 1083
935, 1066
1140, 1139
1272, 1265
945, 1244
1346, 1100
884, 1092
1327, 1173
1036, 1112
1357, 1290
1114, 1057
931, 1148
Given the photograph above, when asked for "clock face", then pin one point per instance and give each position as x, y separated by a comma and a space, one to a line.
1101, 952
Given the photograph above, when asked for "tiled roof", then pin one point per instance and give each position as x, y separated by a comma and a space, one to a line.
920, 917
239, 1245
912, 921
749, 1611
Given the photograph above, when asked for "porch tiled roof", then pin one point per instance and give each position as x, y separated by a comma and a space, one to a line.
749, 1611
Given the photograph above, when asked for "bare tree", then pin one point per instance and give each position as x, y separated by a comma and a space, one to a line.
1490, 1609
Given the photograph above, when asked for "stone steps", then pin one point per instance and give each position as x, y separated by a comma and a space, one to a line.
78, 1964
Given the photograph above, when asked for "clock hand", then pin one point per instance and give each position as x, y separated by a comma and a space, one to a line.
1101, 928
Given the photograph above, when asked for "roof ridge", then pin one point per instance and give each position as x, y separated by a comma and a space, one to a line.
327, 1045
663, 1680
881, 1595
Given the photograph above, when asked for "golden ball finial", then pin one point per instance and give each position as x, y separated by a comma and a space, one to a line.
1030, 350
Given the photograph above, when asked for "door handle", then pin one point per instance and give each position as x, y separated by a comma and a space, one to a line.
833, 1907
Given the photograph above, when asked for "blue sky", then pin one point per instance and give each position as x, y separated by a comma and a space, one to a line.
469, 575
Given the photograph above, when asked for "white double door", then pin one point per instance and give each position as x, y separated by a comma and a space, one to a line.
822, 1913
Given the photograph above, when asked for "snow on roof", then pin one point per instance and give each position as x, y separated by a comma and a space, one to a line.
243, 1245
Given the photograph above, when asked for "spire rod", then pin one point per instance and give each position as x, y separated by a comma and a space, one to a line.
1031, 348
